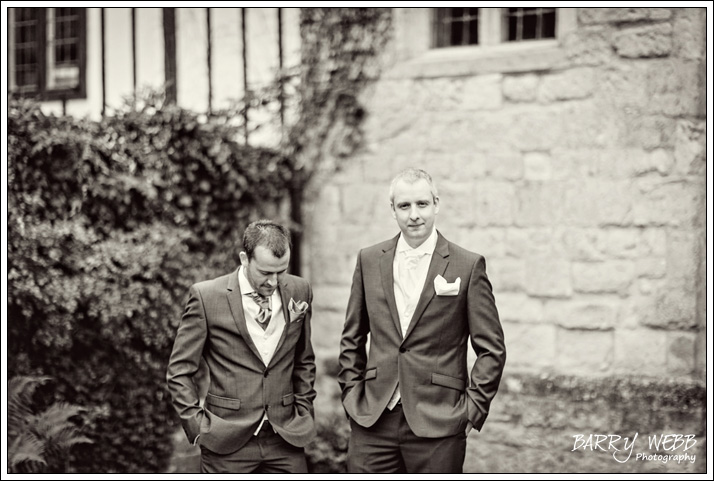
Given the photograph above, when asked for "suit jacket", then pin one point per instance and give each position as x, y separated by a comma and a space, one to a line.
242, 387
429, 363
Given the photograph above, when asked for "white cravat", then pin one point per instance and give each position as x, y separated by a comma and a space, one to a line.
265, 340
409, 270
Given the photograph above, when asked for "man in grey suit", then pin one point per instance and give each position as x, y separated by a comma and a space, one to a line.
411, 402
252, 329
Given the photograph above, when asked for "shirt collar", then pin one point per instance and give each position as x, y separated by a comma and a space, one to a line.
426, 247
244, 283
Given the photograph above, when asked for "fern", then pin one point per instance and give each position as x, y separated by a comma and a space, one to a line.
37, 439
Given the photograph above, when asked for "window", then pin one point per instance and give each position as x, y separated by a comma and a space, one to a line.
47, 52
454, 27
528, 24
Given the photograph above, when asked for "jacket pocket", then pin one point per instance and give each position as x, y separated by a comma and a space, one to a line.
288, 399
222, 402
370, 374
448, 381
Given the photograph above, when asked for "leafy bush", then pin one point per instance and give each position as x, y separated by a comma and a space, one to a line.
38, 442
109, 223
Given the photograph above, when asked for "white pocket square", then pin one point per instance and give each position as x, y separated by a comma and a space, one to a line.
444, 288
297, 309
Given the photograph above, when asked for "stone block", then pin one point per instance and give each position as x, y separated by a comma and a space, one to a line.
612, 276
636, 310
534, 242
643, 351
530, 346
548, 277
648, 132
570, 84
623, 86
583, 244
583, 124
665, 202
676, 309
700, 354
673, 87
591, 203
504, 164
690, 147
620, 243
588, 46
326, 332
437, 94
539, 204
537, 166
621, 15
574, 163
362, 203
535, 127
520, 88
489, 242
584, 352
597, 313
684, 258
689, 34
508, 275
651, 268
654, 241
330, 298
681, 350
644, 41
514, 307
495, 203
458, 204
481, 92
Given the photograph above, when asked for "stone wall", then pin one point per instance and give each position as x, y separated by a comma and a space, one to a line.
578, 171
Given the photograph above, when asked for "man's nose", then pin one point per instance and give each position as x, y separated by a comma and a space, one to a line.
273, 280
414, 213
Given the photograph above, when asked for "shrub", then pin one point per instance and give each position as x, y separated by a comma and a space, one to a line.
109, 223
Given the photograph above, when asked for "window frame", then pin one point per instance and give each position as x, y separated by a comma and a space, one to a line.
492, 34
43, 92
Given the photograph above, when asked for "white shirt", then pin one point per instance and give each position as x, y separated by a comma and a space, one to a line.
265, 340
406, 259
409, 271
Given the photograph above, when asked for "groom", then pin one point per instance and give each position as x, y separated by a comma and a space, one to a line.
252, 329
412, 402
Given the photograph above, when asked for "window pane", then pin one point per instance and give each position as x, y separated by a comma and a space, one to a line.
26, 45
529, 27
457, 31
473, 32
456, 26
549, 24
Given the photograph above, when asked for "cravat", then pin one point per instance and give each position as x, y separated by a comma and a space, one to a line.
264, 315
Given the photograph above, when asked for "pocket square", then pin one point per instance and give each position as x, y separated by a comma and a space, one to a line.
444, 288
297, 309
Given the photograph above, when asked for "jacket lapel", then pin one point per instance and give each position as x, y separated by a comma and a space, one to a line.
386, 264
235, 301
439, 262
285, 298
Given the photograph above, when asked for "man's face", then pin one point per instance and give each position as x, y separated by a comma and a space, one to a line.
264, 270
415, 209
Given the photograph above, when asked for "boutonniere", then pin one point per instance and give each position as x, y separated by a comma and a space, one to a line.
444, 288
297, 309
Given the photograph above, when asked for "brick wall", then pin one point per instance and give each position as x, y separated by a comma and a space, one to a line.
579, 175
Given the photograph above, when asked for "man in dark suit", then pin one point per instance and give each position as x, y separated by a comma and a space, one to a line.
252, 330
410, 401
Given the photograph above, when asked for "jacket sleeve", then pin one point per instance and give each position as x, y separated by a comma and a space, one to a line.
184, 364
353, 354
488, 342
304, 367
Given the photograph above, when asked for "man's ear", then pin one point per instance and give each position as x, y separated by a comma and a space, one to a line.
436, 204
394, 212
243, 259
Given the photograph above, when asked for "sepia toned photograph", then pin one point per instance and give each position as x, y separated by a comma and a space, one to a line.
356, 240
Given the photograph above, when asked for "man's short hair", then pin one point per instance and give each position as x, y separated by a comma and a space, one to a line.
269, 234
412, 175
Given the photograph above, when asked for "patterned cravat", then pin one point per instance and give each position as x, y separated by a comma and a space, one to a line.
264, 315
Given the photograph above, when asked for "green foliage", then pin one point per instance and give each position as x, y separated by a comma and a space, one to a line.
109, 223
39, 442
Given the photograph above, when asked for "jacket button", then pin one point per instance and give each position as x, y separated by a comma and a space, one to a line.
265, 374
402, 350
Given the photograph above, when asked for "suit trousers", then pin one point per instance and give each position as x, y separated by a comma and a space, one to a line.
390, 446
264, 453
